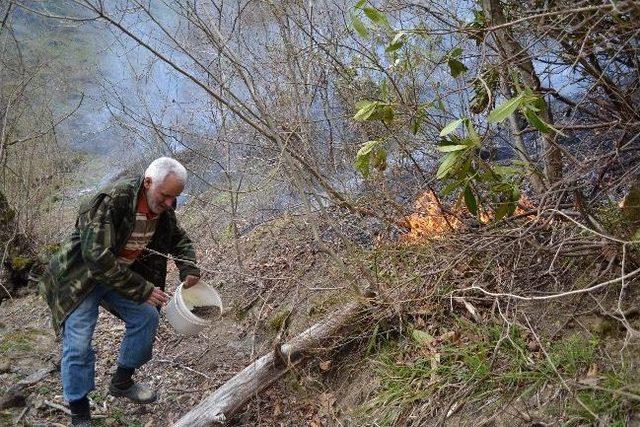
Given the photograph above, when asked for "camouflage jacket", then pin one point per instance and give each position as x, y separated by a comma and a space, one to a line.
89, 255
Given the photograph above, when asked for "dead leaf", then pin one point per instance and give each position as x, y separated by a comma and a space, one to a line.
327, 401
326, 365
315, 422
435, 362
593, 371
589, 381
449, 336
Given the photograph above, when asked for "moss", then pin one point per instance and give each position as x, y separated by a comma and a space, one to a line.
20, 262
7, 216
50, 249
6, 418
279, 318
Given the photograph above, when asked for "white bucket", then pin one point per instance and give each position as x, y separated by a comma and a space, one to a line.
184, 300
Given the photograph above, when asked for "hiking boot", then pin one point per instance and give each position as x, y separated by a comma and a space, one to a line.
80, 421
80, 412
138, 393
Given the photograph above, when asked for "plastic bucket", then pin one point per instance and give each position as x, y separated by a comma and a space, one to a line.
184, 300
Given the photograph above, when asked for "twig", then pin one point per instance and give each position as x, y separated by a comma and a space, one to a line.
553, 366
553, 296
22, 414
58, 407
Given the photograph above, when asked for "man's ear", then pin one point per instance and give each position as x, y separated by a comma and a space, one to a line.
147, 182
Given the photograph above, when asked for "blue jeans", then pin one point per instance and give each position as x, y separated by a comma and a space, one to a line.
78, 357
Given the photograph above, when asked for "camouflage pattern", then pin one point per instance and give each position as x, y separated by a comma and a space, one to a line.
89, 255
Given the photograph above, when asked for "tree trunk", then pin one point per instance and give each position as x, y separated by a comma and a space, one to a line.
225, 401
16, 255
512, 51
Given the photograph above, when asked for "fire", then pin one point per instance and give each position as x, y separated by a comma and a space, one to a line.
432, 220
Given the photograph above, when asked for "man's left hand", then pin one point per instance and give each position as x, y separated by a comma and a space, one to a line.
190, 281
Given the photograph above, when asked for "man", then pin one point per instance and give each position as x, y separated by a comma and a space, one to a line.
105, 262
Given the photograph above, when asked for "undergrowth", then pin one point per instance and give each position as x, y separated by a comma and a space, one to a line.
485, 367
464, 358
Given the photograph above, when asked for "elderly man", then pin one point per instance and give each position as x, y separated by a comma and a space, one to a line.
105, 262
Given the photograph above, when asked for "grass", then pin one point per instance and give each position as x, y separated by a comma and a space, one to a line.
476, 362
19, 341
117, 417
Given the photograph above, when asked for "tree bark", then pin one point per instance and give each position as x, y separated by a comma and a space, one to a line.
512, 51
220, 406
16, 254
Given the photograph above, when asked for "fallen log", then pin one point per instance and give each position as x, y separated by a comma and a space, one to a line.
218, 407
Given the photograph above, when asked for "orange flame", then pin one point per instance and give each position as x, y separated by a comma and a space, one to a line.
432, 221
429, 220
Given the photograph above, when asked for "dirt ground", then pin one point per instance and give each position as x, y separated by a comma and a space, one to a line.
284, 272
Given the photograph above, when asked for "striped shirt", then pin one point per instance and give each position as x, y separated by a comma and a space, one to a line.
143, 229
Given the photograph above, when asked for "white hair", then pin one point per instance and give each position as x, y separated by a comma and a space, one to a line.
162, 167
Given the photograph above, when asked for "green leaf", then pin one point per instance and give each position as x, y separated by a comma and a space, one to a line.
451, 127
376, 16
536, 121
505, 170
359, 26
450, 148
366, 110
384, 89
470, 200
385, 114
360, 3
370, 154
393, 47
366, 148
397, 42
456, 67
447, 164
449, 188
504, 110
474, 138
399, 36
415, 123
501, 210
421, 337
455, 52
379, 159
362, 165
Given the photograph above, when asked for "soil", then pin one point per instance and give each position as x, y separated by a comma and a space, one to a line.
285, 269
206, 312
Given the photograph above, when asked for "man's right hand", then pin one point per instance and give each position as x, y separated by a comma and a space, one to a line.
157, 298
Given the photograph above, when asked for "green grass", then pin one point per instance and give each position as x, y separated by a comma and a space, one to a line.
20, 341
117, 417
489, 361
608, 402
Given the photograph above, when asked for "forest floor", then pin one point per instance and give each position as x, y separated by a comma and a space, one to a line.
284, 273
439, 356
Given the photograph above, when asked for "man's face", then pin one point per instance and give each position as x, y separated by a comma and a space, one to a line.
161, 195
